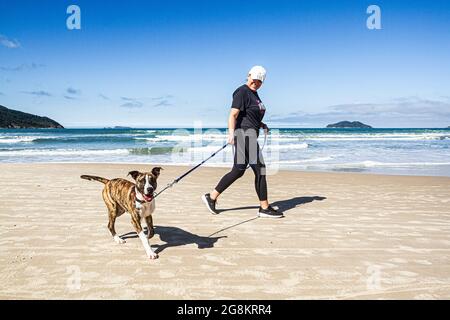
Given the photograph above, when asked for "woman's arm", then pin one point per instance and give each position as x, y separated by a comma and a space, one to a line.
232, 124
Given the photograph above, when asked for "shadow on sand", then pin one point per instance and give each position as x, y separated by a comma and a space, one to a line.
286, 205
283, 205
174, 237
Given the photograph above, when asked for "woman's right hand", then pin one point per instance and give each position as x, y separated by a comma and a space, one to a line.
234, 113
230, 139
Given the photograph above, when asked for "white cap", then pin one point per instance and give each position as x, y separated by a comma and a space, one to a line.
257, 73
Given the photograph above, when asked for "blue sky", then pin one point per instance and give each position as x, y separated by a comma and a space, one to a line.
158, 63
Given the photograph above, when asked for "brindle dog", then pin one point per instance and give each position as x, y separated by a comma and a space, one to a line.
121, 196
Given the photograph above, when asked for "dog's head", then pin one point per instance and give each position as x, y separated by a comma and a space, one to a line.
146, 182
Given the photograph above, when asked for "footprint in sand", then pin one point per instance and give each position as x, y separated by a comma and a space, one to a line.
398, 260
209, 267
423, 262
258, 274
407, 273
218, 259
164, 274
425, 296
294, 279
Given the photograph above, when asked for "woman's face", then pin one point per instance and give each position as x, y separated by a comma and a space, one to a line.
253, 84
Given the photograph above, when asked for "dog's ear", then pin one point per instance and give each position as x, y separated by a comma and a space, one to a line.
156, 171
134, 174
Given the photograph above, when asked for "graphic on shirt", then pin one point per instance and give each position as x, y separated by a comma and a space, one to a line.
262, 107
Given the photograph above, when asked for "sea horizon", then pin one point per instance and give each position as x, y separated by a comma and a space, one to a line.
222, 127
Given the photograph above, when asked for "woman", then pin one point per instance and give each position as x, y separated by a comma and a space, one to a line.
244, 122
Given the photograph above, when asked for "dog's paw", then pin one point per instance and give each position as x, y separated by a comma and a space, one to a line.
150, 234
119, 240
153, 256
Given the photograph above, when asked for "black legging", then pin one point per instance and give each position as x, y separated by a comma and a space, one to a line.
246, 151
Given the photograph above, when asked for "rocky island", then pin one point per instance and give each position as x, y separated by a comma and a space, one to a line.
118, 127
349, 124
13, 119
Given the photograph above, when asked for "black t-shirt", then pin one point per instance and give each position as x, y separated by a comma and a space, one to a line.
251, 108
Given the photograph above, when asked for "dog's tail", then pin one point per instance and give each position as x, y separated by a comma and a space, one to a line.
94, 178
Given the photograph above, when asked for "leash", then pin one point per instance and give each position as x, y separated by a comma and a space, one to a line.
170, 185
189, 171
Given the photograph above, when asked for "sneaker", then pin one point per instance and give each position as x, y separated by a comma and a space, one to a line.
270, 212
210, 203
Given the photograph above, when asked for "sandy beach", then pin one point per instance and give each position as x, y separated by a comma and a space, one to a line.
344, 236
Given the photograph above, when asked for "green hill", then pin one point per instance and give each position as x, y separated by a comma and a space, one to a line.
17, 119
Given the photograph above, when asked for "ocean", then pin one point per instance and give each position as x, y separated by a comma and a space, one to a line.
386, 151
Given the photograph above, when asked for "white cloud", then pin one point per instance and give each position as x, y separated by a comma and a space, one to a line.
398, 112
163, 101
40, 93
73, 91
9, 43
23, 66
131, 103
103, 96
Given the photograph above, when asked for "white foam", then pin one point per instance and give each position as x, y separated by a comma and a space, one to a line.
61, 152
17, 139
319, 159
371, 164
193, 137
149, 139
375, 136
267, 147
206, 149
303, 145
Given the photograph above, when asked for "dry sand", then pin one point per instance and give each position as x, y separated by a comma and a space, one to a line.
345, 236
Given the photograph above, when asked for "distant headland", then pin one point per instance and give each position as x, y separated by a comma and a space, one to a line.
349, 124
13, 119
118, 127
